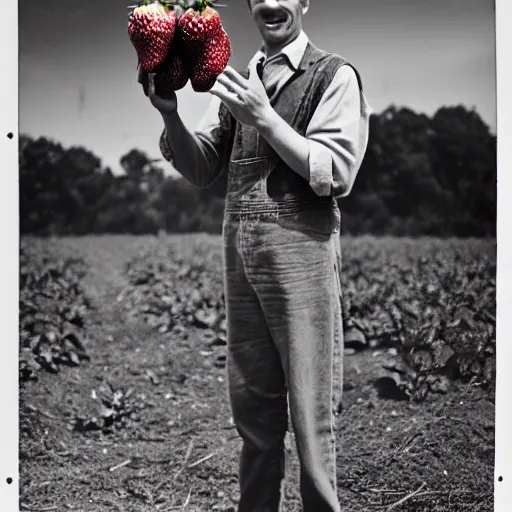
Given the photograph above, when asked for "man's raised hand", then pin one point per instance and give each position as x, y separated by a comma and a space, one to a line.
246, 99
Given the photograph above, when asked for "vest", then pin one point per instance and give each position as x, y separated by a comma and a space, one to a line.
296, 103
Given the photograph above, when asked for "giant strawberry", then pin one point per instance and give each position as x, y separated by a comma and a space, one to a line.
198, 24
210, 62
171, 76
151, 28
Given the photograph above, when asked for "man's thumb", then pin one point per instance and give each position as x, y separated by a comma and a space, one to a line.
151, 88
143, 79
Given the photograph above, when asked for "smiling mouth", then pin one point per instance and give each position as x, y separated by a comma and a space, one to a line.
275, 22
272, 22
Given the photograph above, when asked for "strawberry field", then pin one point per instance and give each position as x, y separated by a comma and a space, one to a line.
123, 399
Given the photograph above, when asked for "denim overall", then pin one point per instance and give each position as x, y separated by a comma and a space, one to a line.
282, 289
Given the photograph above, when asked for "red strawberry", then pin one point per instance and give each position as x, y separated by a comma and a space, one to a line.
151, 29
199, 24
211, 61
171, 76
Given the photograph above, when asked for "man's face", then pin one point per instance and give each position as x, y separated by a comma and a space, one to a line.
279, 21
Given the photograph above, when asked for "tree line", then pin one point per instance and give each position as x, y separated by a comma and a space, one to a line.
421, 175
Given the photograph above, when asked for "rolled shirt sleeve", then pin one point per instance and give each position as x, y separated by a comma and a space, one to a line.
338, 135
165, 149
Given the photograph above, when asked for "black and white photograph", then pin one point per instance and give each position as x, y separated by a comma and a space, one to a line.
256, 257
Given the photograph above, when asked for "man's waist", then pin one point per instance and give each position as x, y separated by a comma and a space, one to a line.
287, 205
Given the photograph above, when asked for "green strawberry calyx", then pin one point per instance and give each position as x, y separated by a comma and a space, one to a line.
201, 5
198, 5
169, 4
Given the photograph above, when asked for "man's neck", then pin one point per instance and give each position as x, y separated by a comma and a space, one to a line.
271, 50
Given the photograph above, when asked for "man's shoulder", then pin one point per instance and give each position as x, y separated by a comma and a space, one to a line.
323, 57
334, 62
329, 63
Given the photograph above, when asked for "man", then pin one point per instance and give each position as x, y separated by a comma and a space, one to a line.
289, 140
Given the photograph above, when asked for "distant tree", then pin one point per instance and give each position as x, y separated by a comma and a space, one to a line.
420, 176
464, 161
45, 202
134, 163
435, 176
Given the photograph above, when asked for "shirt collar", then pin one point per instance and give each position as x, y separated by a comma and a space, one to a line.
294, 50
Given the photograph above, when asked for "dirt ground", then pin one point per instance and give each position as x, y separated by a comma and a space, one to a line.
179, 449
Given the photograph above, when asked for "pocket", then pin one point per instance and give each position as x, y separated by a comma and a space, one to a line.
320, 223
246, 177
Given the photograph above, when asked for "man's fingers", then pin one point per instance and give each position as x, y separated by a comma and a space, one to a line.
229, 98
230, 85
236, 77
226, 96
220, 88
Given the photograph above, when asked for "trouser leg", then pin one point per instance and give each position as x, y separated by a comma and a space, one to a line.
294, 277
256, 386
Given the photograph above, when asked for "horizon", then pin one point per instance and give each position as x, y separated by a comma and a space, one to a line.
158, 159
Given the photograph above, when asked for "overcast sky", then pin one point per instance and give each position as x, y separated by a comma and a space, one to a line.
78, 67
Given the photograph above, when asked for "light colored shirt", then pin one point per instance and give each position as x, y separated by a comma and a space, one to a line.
337, 133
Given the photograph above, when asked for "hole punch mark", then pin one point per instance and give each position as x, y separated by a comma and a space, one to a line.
500, 479
10, 135
9, 480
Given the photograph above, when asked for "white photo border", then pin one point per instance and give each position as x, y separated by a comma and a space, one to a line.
503, 436
9, 273
9, 278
